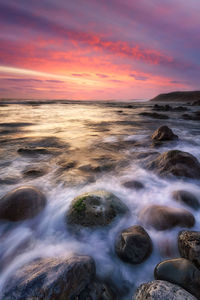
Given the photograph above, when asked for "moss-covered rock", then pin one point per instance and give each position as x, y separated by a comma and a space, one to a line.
97, 208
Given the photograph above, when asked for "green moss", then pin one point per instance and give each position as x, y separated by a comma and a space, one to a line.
79, 205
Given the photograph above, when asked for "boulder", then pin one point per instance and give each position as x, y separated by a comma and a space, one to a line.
189, 246
180, 271
51, 279
133, 184
161, 290
163, 217
164, 133
133, 245
187, 198
175, 163
22, 203
98, 208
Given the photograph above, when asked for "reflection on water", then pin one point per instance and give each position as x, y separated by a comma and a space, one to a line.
67, 149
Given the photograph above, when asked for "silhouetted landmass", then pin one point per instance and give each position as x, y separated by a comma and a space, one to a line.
188, 96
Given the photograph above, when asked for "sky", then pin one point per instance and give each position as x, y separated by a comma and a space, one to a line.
98, 49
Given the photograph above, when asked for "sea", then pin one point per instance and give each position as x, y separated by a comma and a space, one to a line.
90, 145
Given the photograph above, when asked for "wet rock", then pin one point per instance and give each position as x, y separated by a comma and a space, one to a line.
193, 117
164, 133
180, 271
189, 246
97, 290
133, 245
22, 203
154, 115
164, 217
196, 103
32, 151
158, 107
168, 107
97, 208
34, 172
176, 163
133, 184
51, 279
187, 198
9, 180
161, 290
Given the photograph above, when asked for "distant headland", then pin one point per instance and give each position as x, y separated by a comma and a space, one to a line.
187, 96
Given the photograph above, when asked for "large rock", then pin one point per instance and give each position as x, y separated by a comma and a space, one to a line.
22, 203
164, 133
51, 279
181, 272
187, 198
189, 246
163, 217
176, 163
161, 290
97, 208
133, 245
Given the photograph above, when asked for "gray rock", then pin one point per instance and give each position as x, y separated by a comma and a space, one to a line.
187, 198
161, 290
189, 246
22, 203
180, 271
163, 217
176, 163
98, 208
133, 184
164, 133
133, 245
51, 279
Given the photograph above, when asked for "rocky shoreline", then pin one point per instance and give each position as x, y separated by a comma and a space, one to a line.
75, 277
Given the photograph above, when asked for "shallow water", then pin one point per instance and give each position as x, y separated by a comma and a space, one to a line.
90, 146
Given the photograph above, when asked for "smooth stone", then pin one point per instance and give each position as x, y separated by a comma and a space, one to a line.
51, 279
163, 217
180, 271
189, 246
22, 203
133, 245
161, 290
133, 184
164, 133
176, 163
187, 198
98, 208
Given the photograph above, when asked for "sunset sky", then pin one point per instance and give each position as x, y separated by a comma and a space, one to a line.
98, 49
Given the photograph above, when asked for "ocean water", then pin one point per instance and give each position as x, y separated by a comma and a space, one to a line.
90, 146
